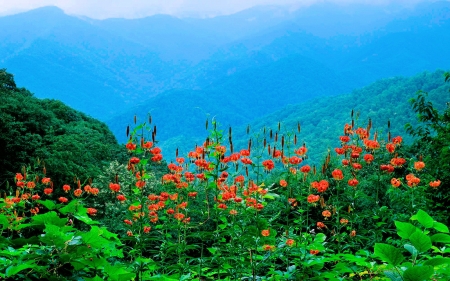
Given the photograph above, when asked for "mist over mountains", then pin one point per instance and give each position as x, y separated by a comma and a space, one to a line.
235, 68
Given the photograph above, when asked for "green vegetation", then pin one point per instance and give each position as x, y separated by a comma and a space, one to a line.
373, 209
68, 142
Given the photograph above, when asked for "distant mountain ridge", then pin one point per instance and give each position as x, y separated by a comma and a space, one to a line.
244, 65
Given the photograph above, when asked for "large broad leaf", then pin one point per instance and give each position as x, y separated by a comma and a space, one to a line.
49, 218
424, 219
437, 261
440, 227
94, 238
405, 229
421, 241
72, 207
441, 238
14, 269
86, 219
118, 273
49, 204
393, 275
418, 273
389, 254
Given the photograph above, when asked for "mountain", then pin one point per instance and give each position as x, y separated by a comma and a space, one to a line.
244, 65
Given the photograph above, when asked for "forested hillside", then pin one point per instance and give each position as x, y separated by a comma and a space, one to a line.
180, 120
67, 142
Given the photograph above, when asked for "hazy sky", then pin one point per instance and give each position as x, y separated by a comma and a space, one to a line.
101, 9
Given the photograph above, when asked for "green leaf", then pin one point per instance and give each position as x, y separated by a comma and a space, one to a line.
411, 249
440, 227
14, 269
47, 204
405, 229
4, 222
437, 261
72, 207
389, 254
440, 238
418, 273
212, 250
421, 241
49, 218
393, 275
424, 219
86, 219
320, 237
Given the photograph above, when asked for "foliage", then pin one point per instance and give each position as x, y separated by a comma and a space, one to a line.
70, 143
433, 142
229, 212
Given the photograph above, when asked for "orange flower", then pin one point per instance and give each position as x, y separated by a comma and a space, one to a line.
435, 184
91, 211
387, 168
45, 181
290, 242
357, 166
265, 232
147, 145
134, 160
31, 184
35, 197
62, 199
192, 194
140, 184
321, 225
395, 182
343, 221
66, 188
397, 140
339, 150
48, 191
313, 198
301, 151
398, 161
353, 182
268, 164
283, 183
233, 212
419, 165
314, 252
368, 158
94, 191
353, 233
390, 147
305, 169
115, 187
337, 174
121, 198
294, 160
326, 214
147, 229
19, 177
130, 146
128, 222
268, 247
344, 138
77, 192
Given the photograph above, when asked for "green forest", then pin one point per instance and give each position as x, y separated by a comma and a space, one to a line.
347, 187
